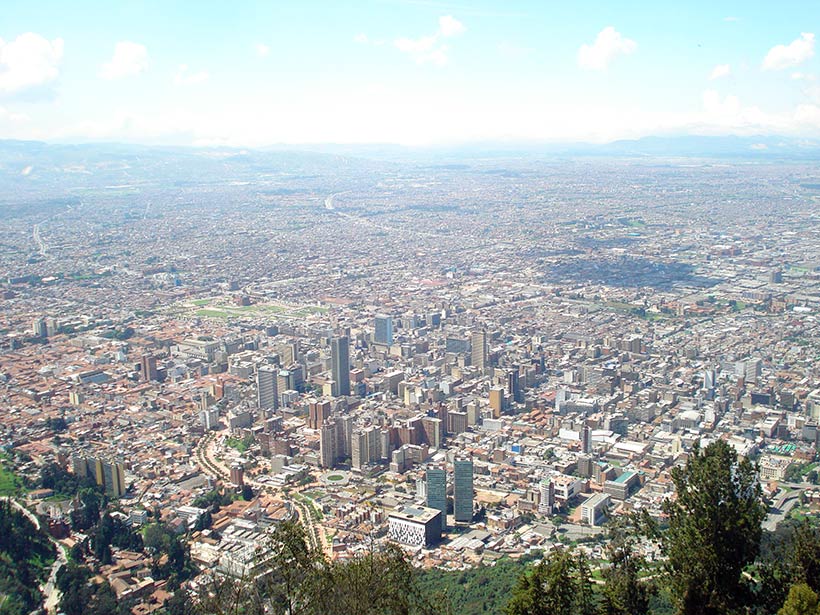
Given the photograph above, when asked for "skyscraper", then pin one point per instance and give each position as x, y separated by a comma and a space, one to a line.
340, 365
384, 330
586, 439
149, 367
327, 444
514, 385
463, 490
436, 479
478, 341
266, 387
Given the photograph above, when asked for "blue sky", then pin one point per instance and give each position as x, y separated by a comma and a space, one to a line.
405, 71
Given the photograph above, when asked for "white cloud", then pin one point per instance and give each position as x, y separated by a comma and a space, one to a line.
262, 50
450, 26
608, 44
185, 76
361, 38
721, 70
28, 62
429, 49
129, 59
784, 56
731, 18
714, 105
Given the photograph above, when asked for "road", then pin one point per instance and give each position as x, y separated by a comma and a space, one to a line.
209, 463
49, 589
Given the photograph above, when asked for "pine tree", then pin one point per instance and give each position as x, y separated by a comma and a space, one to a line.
714, 530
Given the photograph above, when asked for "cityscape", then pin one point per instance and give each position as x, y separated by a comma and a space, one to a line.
522, 363
409, 307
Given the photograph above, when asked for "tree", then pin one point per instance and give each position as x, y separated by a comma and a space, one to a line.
296, 570
624, 593
247, 493
558, 585
803, 556
801, 601
714, 530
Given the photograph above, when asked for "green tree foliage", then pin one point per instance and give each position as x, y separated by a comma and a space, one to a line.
378, 583
25, 556
557, 585
92, 501
624, 593
111, 531
482, 590
214, 500
302, 582
714, 530
801, 601
55, 477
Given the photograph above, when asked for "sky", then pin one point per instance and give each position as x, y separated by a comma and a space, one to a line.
411, 72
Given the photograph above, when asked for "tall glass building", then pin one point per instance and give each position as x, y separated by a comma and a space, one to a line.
437, 492
463, 490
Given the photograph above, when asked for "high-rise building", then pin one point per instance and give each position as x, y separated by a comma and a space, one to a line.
463, 490
547, 497
108, 474
328, 444
384, 330
318, 413
497, 401
267, 389
586, 439
238, 475
365, 446
340, 365
149, 367
479, 356
514, 385
436, 482
39, 327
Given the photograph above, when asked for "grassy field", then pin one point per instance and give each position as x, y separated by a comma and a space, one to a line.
10, 484
219, 308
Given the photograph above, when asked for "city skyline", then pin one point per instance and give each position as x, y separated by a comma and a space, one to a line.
412, 73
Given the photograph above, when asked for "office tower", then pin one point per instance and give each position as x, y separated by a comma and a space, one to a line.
318, 413
497, 401
327, 444
365, 445
514, 385
463, 490
709, 379
478, 341
586, 439
340, 365
384, 330
344, 436
149, 367
267, 387
436, 480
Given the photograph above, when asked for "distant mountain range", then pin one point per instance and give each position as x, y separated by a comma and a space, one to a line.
755, 147
22, 161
